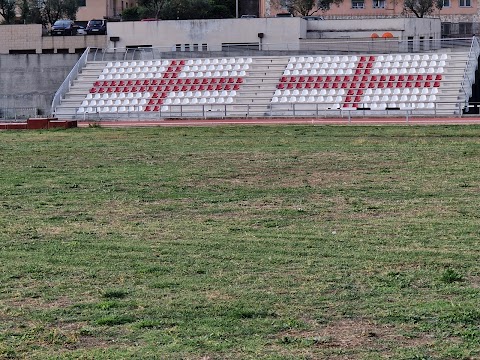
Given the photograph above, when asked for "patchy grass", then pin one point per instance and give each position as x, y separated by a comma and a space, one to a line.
240, 243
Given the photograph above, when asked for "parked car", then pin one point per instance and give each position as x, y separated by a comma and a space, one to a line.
312, 18
284, 15
81, 30
64, 28
96, 27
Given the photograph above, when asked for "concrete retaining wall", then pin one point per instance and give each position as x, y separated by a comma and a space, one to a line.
32, 80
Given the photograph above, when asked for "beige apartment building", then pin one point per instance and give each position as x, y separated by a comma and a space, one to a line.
102, 9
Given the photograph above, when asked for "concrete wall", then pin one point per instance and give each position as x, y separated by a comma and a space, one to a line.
214, 33
33, 39
32, 80
400, 28
191, 35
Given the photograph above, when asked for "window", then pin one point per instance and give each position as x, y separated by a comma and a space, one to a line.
465, 28
379, 4
82, 2
446, 28
465, 3
446, 3
358, 4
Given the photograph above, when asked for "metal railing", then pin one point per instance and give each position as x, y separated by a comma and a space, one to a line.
470, 68
310, 110
17, 113
65, 87
319, 47
19, 107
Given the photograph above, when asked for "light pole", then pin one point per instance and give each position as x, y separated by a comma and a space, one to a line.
236, 9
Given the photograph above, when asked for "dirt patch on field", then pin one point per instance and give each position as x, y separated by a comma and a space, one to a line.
352, 336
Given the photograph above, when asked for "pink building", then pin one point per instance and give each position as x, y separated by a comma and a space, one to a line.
459, 17
100, 9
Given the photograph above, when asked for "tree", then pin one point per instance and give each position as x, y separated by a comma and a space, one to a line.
7, 11
305, 7
324, 5
302, 7
420, 8
154, 7
29, 12
52, 10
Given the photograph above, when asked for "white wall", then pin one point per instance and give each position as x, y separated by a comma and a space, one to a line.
211, 32
401, 28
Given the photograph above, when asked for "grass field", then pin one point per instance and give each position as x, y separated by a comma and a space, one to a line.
240, 243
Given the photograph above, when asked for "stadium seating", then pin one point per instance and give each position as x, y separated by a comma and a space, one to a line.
305, 85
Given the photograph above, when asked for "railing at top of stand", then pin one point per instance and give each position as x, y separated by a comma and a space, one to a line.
65, 87
323, 46
469, 72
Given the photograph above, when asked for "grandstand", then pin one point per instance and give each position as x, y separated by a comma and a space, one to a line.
434, 83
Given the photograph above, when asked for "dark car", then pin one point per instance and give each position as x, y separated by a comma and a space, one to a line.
284, 15
312, 18
64, 27
96, 27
